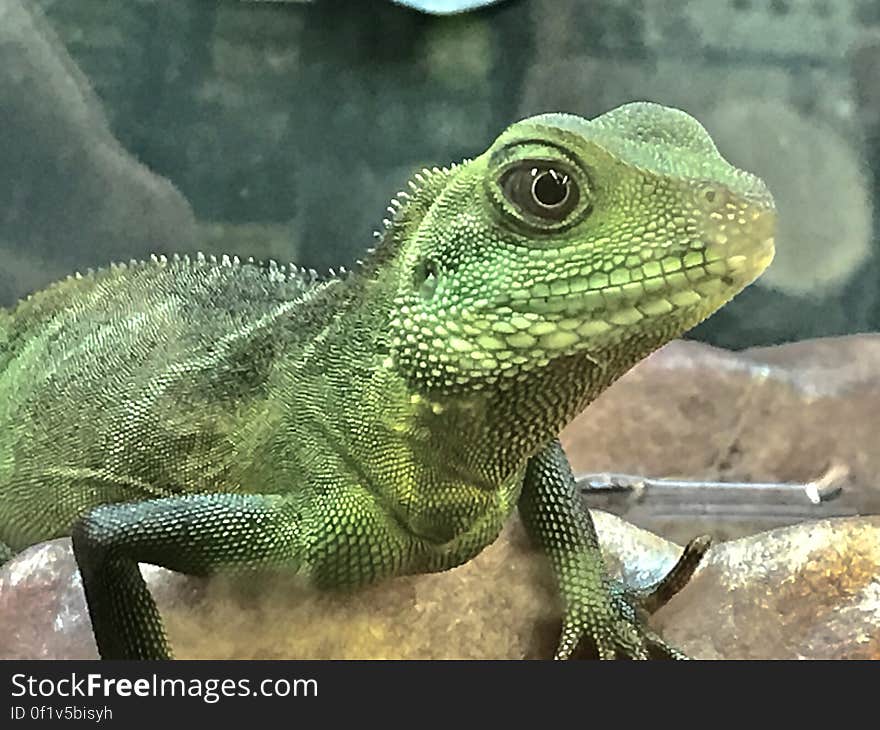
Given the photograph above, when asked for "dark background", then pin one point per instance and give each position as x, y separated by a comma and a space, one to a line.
288, 126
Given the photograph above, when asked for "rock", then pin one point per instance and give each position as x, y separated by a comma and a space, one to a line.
811, 591
778, 414
457, 613
765, 414
808, 591
70, 195
768, 414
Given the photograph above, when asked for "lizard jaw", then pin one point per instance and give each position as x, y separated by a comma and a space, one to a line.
525, 328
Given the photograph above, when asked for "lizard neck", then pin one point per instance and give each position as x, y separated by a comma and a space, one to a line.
482, 435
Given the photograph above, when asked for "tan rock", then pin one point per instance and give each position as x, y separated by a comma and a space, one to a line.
774, 414
777, 414
806, 591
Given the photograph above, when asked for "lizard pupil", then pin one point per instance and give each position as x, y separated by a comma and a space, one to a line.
541, 190
550, 188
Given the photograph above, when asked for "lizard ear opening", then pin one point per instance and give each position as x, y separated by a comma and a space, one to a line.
425, 278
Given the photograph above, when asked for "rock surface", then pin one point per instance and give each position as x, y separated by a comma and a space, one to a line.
808, 590
777, 414
70, 195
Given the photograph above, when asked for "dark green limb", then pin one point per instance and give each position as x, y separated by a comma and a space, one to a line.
195, 534
598, 611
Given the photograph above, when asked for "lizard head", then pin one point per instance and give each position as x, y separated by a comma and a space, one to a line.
569, 237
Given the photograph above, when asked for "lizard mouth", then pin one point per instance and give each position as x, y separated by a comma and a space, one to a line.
561, 313
681, 281
579, 308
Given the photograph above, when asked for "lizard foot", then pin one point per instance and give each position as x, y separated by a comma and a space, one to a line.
619, 629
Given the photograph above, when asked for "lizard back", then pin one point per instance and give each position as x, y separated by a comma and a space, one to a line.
135, 381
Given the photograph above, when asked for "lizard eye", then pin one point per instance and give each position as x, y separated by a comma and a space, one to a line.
541, 189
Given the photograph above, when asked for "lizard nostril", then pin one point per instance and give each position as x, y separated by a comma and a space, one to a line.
710, 197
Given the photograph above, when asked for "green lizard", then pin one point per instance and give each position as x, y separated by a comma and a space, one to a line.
208, 415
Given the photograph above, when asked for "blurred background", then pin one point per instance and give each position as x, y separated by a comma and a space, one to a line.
281, 129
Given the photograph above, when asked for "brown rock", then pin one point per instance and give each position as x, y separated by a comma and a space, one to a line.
771, 414
777, 414
811, 591
804, 591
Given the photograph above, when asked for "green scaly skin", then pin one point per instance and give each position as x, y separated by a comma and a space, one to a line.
213, 415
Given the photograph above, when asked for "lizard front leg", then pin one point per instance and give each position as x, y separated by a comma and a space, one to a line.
596, 608
194, 534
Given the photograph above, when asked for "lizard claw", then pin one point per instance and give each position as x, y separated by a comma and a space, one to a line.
618, 630
659, 594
